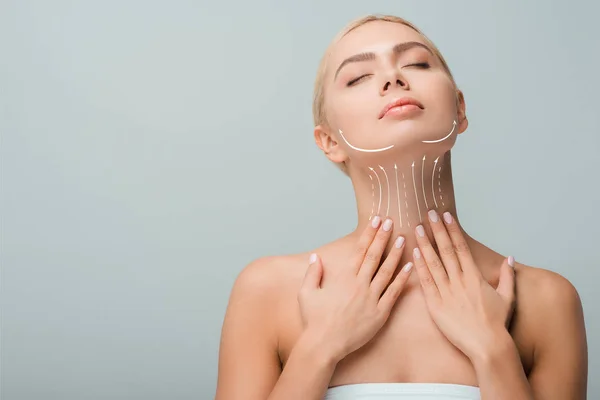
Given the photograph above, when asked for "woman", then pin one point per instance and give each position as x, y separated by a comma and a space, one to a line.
358, 321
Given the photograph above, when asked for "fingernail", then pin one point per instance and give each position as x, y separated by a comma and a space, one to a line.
408, 266
399, 242
417, 252
448, 217
376, 221
420, 230
387, 225
313, 258
433, 216
511, 261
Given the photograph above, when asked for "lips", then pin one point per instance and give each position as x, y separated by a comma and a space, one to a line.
399, 103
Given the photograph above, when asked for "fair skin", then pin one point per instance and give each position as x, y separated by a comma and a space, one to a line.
459, 315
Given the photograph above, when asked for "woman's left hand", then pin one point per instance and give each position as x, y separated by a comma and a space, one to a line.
466, 309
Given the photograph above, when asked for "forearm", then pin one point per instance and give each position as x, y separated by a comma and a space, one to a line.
307, 373
500, 373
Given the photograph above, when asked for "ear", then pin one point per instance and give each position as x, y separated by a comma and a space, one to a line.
327, 142
463, 122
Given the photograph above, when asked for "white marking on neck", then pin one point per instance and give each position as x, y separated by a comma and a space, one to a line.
377, 176
444, 138
432, 178
398, 194
387, 213
416, 196
440, 184
405, 200
372, 196
365, 150
423, 182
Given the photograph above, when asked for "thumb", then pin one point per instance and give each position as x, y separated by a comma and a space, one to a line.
314, 273
506, 286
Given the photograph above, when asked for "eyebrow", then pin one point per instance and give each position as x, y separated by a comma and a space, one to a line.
397, 49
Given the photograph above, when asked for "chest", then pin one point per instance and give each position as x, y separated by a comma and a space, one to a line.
408, 348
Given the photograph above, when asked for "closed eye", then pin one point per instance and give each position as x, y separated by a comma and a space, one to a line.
420, 65
353, 81
423, 65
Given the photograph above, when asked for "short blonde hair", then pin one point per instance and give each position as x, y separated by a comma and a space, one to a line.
319, 115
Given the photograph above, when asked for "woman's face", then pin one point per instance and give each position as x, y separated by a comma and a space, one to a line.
393, 62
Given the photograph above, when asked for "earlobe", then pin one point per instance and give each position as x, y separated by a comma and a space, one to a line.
329, 145
463, 122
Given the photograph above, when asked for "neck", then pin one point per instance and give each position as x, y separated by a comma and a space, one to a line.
404, 189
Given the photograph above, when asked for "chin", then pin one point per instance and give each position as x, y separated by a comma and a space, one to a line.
402, 125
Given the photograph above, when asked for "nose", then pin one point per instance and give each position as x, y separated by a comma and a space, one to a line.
397, 79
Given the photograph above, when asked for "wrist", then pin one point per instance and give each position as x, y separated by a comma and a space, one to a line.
318, 350
498, 344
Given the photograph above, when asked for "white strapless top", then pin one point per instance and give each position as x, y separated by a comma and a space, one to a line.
403, 391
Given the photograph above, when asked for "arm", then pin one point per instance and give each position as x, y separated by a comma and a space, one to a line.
499, 371
249, 366
560, 366
560, 359
307, 373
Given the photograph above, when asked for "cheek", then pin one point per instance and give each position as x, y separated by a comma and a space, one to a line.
441, 94
352, 109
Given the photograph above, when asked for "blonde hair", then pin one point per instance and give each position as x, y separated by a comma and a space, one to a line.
318, 108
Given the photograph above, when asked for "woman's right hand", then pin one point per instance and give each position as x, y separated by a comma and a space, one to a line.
347, 312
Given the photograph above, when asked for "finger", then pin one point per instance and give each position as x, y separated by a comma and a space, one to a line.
314, 273
445, 248
386, 271
431, 260
364, 241
389, 297
461, 248
425, 278
506, 286
370, 262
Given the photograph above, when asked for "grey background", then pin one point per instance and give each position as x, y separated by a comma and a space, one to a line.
150, 150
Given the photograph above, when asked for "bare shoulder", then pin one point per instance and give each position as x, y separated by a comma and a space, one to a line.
258, 291
546, 292
551, 313
254, 288
263, 287
249, 364
551, 318
273, 275
260, 275
265, 276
